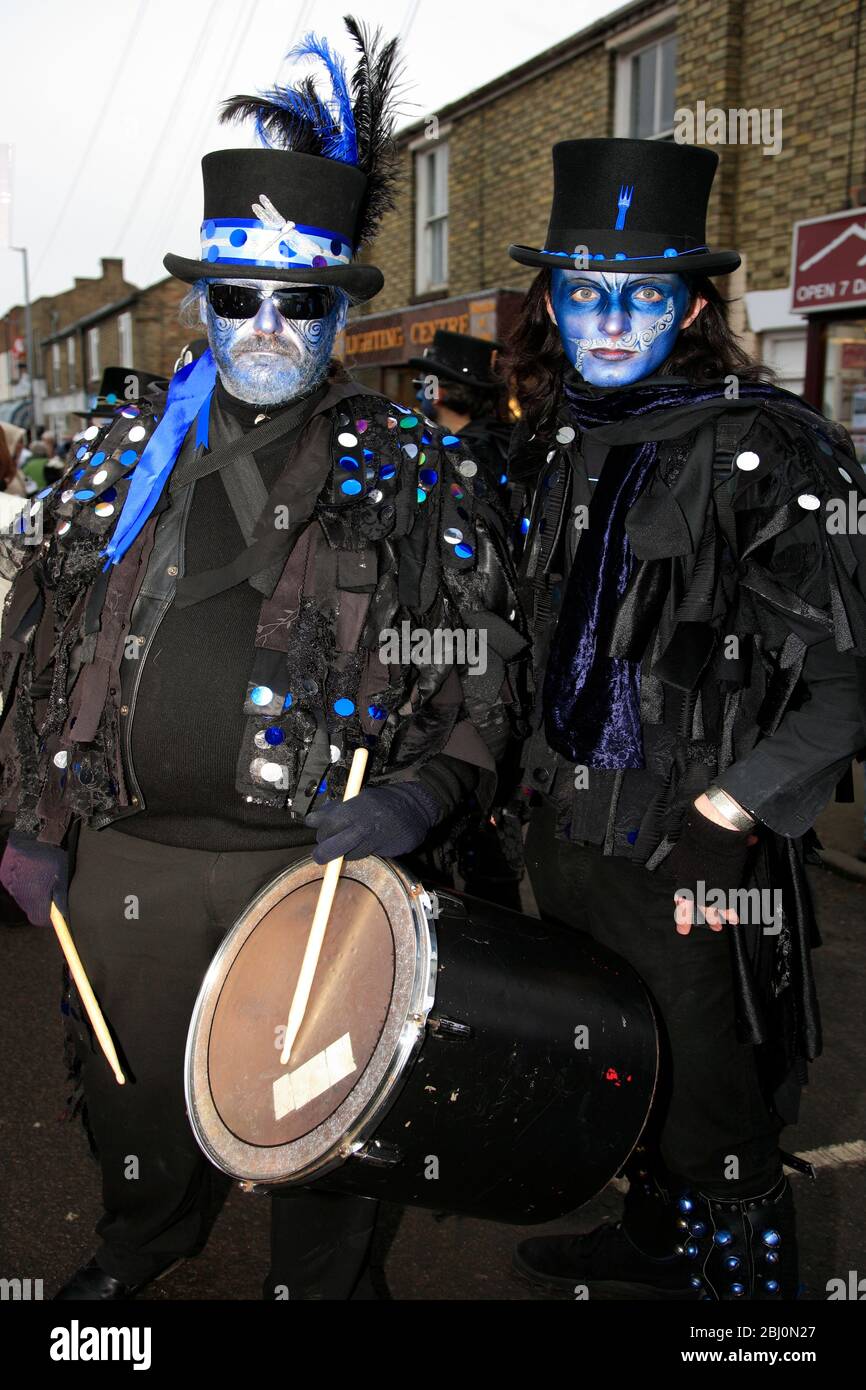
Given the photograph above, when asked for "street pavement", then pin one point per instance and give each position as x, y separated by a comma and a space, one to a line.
50, 1191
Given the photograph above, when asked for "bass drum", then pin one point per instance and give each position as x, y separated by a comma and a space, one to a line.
454, 1054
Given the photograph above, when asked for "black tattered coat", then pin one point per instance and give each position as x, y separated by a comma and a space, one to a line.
401, 531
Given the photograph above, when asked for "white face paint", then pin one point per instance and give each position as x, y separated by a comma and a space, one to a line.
269, 359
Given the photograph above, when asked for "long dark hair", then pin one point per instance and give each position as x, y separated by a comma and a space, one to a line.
534, 357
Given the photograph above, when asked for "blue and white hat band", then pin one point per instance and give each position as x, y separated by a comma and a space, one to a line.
269, 239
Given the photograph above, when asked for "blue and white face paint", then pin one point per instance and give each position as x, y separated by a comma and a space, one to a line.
617, 328
268, 359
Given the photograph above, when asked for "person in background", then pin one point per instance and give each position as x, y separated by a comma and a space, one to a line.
461, 390
11, 445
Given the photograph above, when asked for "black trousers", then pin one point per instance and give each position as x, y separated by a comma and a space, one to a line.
709, 1108
147, 919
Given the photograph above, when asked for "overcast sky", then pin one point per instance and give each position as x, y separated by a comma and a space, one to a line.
110, 106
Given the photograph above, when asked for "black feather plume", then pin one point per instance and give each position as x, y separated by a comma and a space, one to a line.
374, 99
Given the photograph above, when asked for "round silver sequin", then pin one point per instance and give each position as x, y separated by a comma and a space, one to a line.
66, 494
747, 461
260, 741
92, 432
551, 456
808, 501
104, 509
347, 440
468, 468
63, 528
565, 435
259, 418
61, 759
271, 772
136, 433
335, 753
843, 473
453, 536
376, 495
100, 477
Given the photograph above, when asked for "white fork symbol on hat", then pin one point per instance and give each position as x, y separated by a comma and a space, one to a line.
285, 230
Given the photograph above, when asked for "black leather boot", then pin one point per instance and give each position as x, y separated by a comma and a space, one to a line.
640, 1256
91, 1283
744, 1249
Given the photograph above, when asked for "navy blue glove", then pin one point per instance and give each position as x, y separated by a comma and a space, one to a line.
388, 821
33, 873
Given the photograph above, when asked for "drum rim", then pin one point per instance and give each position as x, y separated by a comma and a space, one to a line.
402, 1034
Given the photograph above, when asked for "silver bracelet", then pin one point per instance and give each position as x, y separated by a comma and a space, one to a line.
729, 808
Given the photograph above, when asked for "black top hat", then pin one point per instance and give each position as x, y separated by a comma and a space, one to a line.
299, 209
120, 386
634, 205
460, 357
280, 215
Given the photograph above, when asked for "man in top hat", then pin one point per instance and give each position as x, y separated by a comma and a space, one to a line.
698, 623
120, 386
193, 659
462, 391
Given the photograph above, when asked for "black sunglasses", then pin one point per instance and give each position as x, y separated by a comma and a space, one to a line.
242, 302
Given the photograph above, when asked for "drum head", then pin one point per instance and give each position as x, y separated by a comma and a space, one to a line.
261, 1121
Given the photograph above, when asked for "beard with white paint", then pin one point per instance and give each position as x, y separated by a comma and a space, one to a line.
269, 359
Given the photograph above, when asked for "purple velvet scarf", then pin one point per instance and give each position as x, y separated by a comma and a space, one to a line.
592, 700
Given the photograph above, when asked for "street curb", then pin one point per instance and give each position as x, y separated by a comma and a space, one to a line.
845, 865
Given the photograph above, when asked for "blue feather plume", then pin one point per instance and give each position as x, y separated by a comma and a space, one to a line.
339, 139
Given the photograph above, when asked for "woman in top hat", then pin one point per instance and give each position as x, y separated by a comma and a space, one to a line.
698, 625
190, 709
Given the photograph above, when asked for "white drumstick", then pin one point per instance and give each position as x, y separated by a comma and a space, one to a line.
301, 996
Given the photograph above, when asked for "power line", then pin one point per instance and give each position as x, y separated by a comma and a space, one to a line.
192, 151
112, 88
143, 180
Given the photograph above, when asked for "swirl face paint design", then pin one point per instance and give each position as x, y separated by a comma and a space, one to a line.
268, 359
616, 328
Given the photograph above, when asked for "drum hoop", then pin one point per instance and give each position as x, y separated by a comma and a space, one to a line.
329, 1144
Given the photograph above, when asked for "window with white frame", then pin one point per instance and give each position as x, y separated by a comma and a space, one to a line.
94, 369
646, 87
70, 361
55, 366
431, 203
124, 338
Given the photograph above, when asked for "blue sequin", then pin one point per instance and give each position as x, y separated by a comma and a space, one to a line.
210, 229
524, 525
464, 551
772, 1286
79, 473
289, 700
348, 462
451, 441
44, 493
97, 459
429, 477
323, 787
238, 236
111, 399
85, 495
426, 439
351, 486
503, 479
344, 707
631, 836
377, 712
387, 471
691, 1250
213, 253
128, 456
261, 695
408, 422
273, 736
771, 1238
723, 1237
108, 495
732, 1262
738, 1290
421, 494
670, 251
81, 452
685, 1204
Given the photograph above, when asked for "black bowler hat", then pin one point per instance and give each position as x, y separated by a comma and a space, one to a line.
460, 357
120, 386
299, 209
634, 205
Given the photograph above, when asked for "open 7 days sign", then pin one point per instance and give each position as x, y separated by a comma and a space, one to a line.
828, 269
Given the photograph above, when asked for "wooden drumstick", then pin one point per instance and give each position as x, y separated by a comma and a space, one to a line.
88, 998
325, 902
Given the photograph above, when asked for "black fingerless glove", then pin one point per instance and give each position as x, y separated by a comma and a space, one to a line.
708, 852
388, 821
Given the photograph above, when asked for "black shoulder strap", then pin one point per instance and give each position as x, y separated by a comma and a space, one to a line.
731, 428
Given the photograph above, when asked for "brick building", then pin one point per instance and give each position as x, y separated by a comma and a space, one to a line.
100, 322
477, 174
